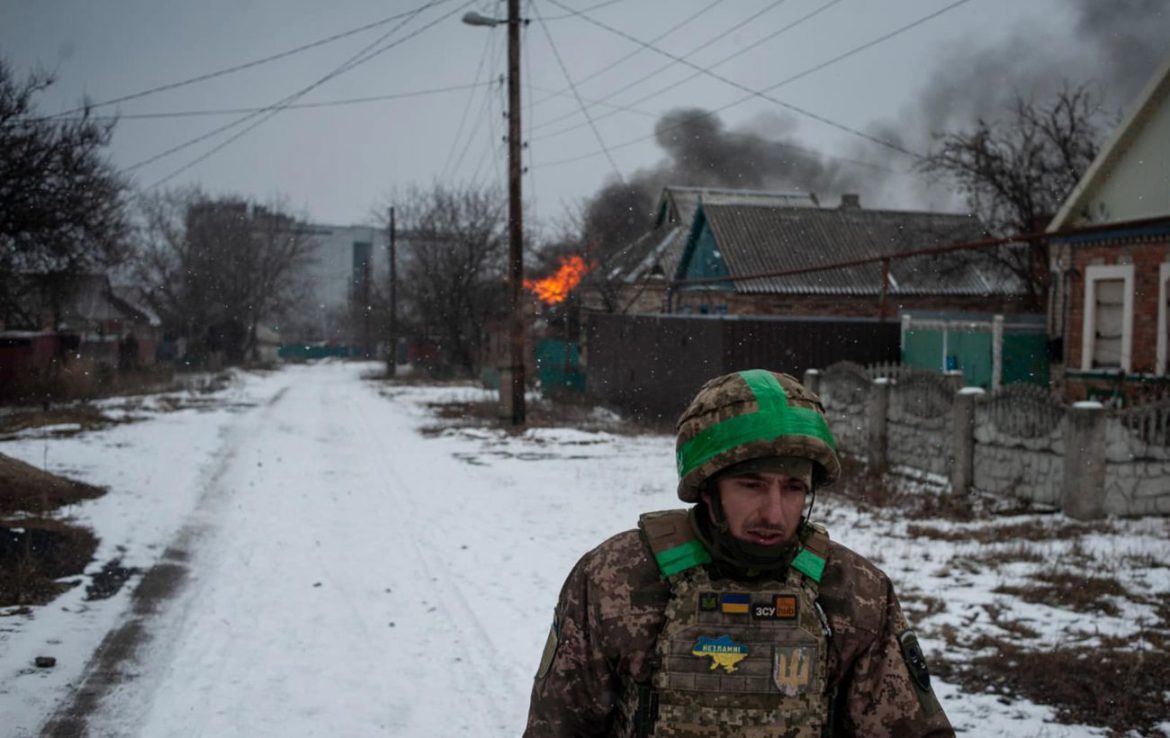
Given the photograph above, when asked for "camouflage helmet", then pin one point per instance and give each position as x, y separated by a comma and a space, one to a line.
749, 415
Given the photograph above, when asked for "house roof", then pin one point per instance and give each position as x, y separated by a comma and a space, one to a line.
755, 239
1155, 94
676, 210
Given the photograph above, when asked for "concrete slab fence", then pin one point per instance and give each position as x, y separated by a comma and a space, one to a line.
1085, 459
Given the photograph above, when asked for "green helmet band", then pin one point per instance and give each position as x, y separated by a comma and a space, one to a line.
773, 419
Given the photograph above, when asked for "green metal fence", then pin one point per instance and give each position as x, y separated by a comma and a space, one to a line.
558, 364
990, 352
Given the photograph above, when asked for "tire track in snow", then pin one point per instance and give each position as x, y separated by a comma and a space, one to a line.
113, 662
486, 661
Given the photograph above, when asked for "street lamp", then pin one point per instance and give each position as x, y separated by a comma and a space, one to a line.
515, 224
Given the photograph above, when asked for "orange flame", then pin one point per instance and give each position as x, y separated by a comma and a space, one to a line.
555, 289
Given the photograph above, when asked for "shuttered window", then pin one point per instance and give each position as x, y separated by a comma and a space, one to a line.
1110, 323
1107, 337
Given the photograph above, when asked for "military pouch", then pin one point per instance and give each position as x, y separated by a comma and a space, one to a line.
647, 711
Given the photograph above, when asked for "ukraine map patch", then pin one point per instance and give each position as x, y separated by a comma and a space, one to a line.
723, 651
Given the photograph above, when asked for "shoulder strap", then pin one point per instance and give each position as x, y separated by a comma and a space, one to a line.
673, 543
810, 560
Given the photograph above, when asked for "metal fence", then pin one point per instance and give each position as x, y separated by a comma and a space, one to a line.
652, 365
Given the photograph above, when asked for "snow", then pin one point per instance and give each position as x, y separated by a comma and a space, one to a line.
348, 575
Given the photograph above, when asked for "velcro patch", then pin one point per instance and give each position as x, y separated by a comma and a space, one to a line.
780, 607
708, 601
736, 603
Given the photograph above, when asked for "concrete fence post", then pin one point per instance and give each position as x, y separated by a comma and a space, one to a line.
812, 381
954, 379
879, 406
1083, 496
962, 461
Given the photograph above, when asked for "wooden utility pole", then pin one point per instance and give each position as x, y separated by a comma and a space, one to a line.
515, 222
392, 353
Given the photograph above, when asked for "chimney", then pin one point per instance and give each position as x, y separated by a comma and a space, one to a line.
850, 201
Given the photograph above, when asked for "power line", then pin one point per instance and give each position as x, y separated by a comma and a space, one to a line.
485, 108
294, 106
762, 94
635, 52
721, 62
753, 93
569, 79
352, 62
487, 45
590, 9
241, 67
691, 52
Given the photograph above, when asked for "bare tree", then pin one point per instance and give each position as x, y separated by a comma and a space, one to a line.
218, 268
453, 267
1016, 172
603, 232
62, 205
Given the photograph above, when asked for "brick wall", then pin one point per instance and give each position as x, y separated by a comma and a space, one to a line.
1146, 258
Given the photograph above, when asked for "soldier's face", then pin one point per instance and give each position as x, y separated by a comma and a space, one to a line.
762, 508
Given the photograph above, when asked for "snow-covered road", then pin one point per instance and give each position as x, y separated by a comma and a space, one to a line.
338, 572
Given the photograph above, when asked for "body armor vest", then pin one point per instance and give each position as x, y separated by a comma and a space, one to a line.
734, 658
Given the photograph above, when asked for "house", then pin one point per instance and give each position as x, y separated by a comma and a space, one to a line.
639, 274
766, 259
108, 329
1109, 253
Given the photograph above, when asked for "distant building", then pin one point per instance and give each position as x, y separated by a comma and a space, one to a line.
351, 261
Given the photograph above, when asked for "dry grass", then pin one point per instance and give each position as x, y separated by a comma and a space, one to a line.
1079, 593
35, 554
1029, 530
1117, 688
24, 488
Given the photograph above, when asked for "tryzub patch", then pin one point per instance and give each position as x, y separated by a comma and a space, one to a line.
780, 607
724, 652
708, 601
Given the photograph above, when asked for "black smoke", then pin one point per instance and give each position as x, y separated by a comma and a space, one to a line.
1111, 47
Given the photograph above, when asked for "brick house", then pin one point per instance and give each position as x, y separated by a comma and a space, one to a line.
1110, 260
740, 241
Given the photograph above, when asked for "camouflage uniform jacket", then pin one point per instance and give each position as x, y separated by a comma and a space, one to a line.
611, 610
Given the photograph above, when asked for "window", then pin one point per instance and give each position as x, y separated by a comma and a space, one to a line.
1163, 320
1107, 342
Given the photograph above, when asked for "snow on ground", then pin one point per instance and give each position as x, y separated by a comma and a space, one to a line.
350, 575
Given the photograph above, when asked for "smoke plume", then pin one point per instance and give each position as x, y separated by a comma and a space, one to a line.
1114, 48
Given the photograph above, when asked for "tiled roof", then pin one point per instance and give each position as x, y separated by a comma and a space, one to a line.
754, 239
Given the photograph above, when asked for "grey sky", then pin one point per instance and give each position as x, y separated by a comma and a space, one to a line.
337, 162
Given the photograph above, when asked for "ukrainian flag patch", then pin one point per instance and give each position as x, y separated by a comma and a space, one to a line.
735, 603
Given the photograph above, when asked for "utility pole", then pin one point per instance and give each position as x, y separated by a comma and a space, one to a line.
515, 221
392, 353
515, 214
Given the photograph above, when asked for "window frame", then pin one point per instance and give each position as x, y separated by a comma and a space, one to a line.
1163, 295
1100, 273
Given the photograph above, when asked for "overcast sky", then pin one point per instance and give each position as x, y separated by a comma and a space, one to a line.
338, 162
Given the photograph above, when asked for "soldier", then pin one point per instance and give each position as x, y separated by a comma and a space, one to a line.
737, 617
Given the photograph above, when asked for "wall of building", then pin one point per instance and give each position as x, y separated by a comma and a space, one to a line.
1146, 258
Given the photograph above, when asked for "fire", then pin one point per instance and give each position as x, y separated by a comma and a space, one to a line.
555, 289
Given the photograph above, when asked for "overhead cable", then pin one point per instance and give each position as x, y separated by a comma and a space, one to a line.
483, 57
753, 94
719, 36
635, 52
739, 52
569, 79
763, 93
293, 106
240, 67
361, 57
